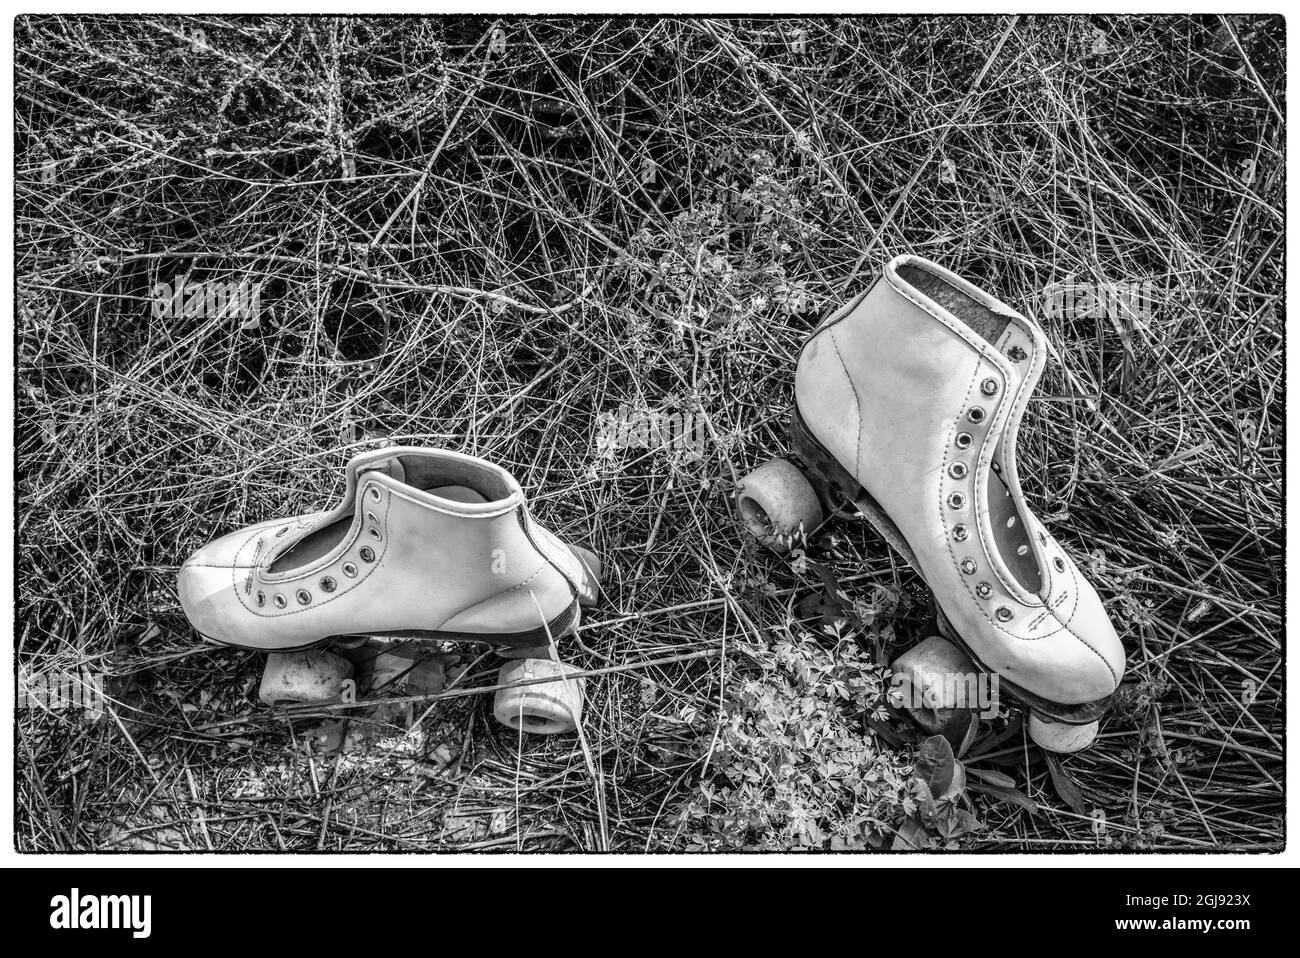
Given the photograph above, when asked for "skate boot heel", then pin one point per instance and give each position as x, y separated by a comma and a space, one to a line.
834, 484
825, 470
589, 585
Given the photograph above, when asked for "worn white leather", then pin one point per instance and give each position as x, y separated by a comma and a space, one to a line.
472, 560
887, 387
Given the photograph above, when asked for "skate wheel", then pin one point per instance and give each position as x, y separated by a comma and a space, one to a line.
589, 587
546, 708
939, 686
1059, 737
778, 505
292, 678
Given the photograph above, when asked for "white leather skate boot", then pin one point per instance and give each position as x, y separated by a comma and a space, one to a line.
908, 400
426, 545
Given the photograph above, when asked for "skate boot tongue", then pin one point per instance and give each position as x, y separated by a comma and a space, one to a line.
394, 469
322, 532
457, 493
986, 322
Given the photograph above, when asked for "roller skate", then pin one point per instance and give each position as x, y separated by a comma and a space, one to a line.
427, 547
907, 404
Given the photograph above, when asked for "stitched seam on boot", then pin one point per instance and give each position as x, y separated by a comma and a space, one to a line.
1064, 627
496, 595
1074, 574
1046, 612
527, 523
857, 446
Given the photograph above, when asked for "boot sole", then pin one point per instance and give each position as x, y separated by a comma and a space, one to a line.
539, 638
832, 481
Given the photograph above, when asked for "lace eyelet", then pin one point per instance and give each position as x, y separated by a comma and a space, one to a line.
956, 501
959, 533
1004, 614
304, 597
957, 470
374, 534
261, 598
1059, 563
281, 531
969, 567
976, 414
375, 494
1016, 354
989, 387
964, 440
280, 601
349, 570
984, 590
327, 584
367, 554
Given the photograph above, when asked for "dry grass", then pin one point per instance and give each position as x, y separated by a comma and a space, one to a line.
485, 248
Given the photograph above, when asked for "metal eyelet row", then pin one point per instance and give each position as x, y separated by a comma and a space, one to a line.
329, 583
983, 590
957, 500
